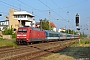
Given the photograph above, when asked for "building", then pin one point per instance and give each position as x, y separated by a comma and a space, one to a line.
51, 23
24, 18
4, 23
17, 18
62, 29
37, 25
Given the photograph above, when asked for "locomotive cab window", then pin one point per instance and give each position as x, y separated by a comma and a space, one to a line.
22, 30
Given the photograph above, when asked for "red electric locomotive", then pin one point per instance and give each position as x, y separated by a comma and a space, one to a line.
29, 34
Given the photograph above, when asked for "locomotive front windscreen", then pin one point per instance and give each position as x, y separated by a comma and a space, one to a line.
22, 30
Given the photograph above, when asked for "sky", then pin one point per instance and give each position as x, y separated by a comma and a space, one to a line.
62, 12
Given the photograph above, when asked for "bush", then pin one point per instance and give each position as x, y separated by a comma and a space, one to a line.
87, 42
14, 35
7, 31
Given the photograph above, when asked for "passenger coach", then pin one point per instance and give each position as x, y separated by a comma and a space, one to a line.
51, 35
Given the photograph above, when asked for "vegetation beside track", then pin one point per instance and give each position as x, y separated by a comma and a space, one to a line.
75, 52
7, 42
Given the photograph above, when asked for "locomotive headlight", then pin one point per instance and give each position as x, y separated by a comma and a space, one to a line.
17, 37
24, 35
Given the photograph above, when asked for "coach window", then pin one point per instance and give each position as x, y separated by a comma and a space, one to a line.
56, 35
51, 34
61, 35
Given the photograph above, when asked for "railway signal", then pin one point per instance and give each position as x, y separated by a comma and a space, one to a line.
77, 19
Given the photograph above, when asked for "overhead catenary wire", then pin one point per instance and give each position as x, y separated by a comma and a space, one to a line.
64, 12
59, 7
53, 11
8, 4
16, 7
19, 8
29, 6
34, 8
77, 3
24, 4
70, 5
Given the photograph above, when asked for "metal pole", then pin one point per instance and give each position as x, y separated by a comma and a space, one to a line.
41, 24
79, 35
87, 27
68, 22
73, 30
68, 26
49, 18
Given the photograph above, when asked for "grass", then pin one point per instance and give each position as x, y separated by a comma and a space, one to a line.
7, 42
74, 52
2, 39
82, 42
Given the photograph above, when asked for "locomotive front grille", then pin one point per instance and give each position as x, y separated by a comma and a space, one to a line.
21, 40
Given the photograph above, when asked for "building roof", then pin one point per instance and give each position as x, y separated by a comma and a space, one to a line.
52, 24
22, 12
37, 23
63, 28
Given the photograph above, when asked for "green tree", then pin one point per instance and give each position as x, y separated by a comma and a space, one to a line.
70, 31
44, 24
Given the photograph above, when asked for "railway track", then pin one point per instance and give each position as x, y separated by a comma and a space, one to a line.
33, 51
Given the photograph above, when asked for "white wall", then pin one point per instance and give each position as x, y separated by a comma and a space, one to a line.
27, 23
54, 29
1, 27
